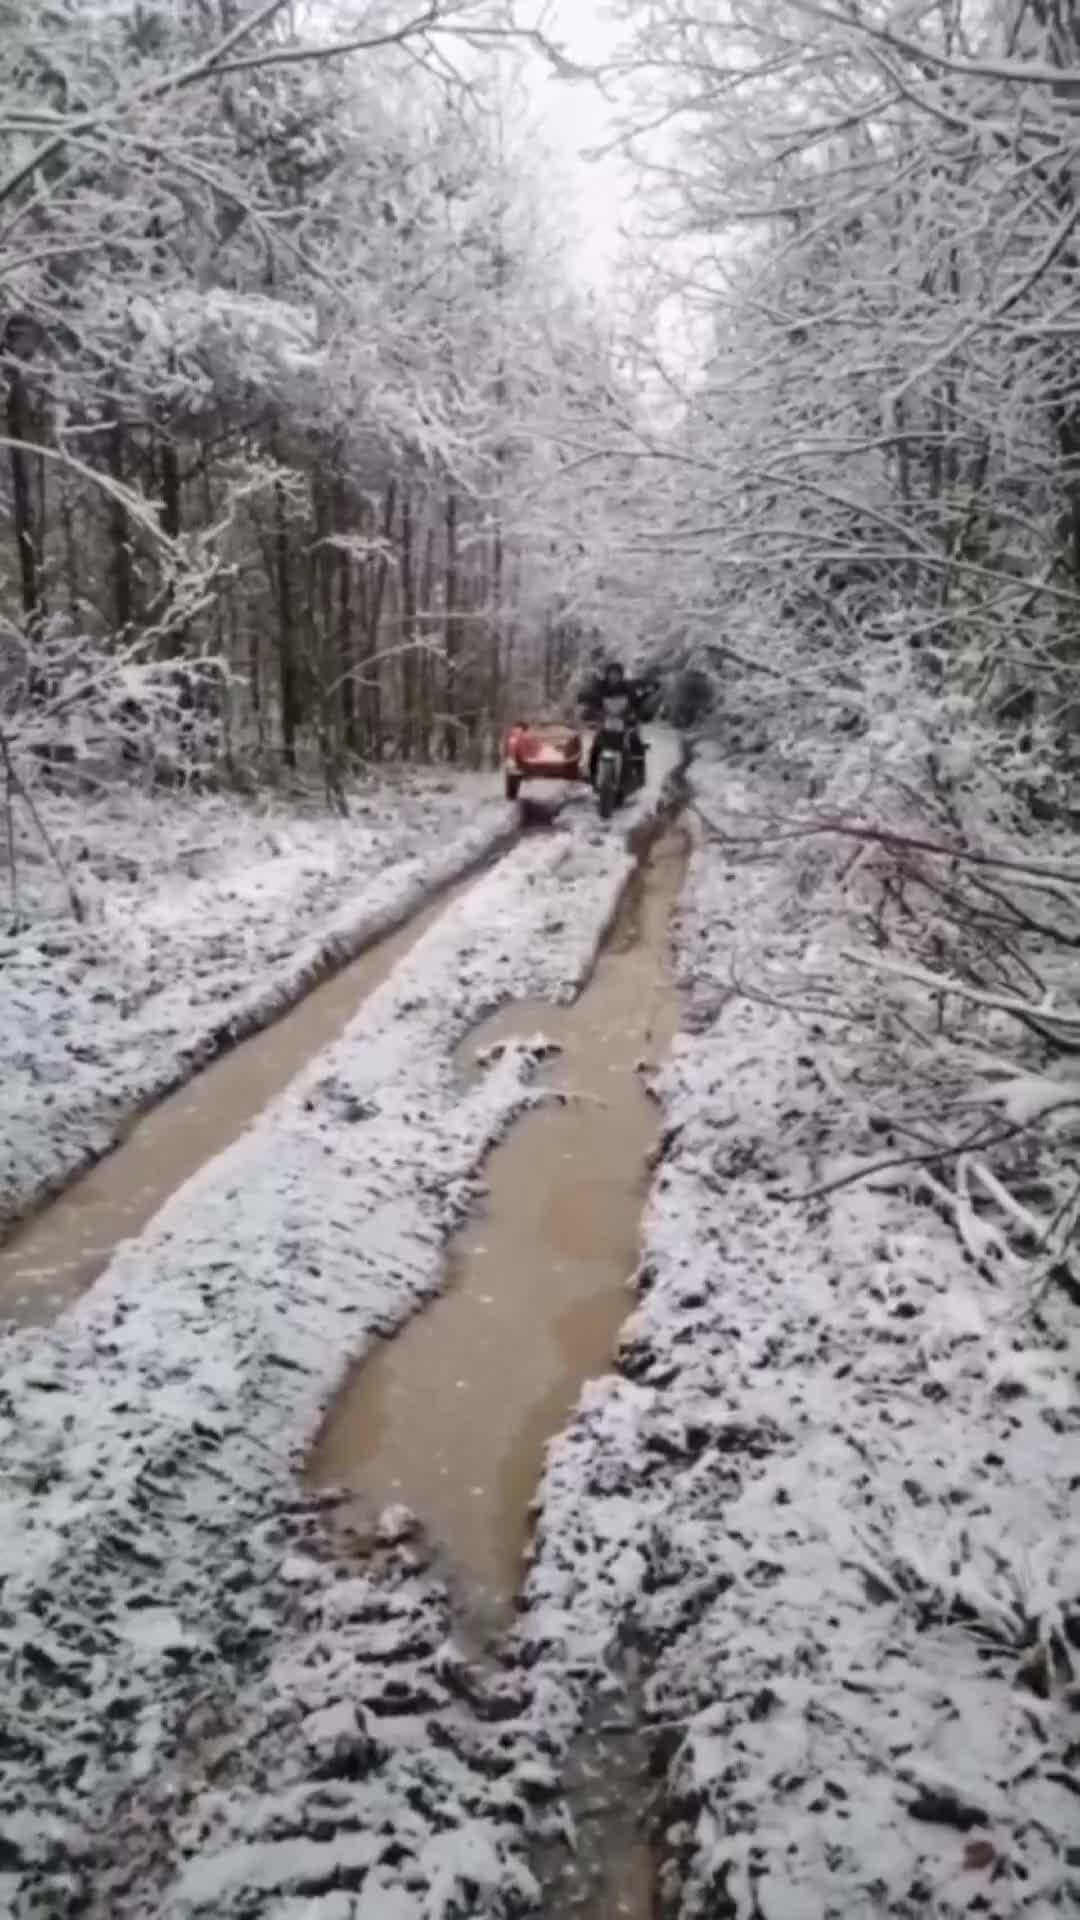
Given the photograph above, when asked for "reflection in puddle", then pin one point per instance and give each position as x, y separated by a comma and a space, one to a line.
58, 1253
451, 1417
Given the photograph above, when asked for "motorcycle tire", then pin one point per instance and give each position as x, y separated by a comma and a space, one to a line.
513, 785
607, 789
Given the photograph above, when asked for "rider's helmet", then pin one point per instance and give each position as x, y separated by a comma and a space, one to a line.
613, 677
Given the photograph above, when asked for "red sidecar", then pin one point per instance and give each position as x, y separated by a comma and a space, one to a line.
540, 750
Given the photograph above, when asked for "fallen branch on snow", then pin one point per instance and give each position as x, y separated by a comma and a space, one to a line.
933, 1157
1029, 1013
890, 837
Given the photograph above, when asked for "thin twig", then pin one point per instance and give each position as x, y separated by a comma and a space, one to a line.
756, 995
1026, 919
9, 822
906, 1160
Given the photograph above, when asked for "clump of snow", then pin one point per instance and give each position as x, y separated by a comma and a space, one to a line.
207, 916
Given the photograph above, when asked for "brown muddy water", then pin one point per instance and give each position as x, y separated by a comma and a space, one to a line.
58, 1253
452, 1415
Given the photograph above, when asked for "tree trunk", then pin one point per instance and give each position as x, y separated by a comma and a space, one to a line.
289, 678
22, 503
170, 490
497, 635
452, 627
345, 660
427, 674
378, 594
169, 519
71, 556
409, 659
119, 538
321, 648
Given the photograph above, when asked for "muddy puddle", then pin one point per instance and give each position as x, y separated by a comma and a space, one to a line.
51, 1260
451, 1417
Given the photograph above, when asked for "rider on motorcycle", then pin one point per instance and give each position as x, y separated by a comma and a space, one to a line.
611, 682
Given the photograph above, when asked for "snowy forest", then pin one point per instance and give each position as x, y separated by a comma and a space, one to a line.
876, 475
539, 1357
315, 445
293, 374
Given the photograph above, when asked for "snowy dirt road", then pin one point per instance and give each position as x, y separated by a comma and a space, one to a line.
807, 1564
210, 1708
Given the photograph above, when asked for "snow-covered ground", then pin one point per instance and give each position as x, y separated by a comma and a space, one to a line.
209, 1710
203, 917
825, 1517
831, 1505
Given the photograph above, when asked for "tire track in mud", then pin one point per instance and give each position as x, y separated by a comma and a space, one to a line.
352, 937
197, 1678
452, 1414
53, 1256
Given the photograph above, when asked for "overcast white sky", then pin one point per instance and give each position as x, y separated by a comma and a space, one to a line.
576, 119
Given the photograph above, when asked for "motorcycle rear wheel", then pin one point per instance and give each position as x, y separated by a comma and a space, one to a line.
607, 789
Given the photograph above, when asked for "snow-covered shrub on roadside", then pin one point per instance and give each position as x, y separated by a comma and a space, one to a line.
692, 698
929, 936
108, 707
929, 742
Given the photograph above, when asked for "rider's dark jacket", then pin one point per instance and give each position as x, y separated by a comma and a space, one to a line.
643, 693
